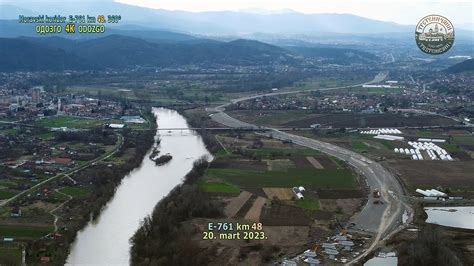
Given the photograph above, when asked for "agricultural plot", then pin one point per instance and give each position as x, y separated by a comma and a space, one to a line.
218, 187
430, 174
279, 164
311, 178
24, 232
315, 163
371, 120
359, 146
236, 204
69, 121
75, 191
284, 215
279, 193
254, 213
310, 204
10, 254
4, 194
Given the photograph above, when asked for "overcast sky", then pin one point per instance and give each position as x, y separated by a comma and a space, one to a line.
402, 12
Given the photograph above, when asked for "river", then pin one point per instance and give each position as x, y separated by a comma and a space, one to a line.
460, 217
105, 241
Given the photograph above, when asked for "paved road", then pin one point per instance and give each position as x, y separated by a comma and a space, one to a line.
381, 220
70, 172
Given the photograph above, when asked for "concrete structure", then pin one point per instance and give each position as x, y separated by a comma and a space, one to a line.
289, 263
431, 193
309, 253
389, 137
35, 94
434, 151
331, 252
116, 126
133, 119
312, 261
329, 245
347, 244
381, 131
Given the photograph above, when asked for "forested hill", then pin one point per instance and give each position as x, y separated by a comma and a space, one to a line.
124, 52
335, 55
116, 51
467, 65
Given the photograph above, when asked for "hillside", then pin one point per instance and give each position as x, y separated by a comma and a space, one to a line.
172, 50
467, 65
117, 51
331, 55
24, 55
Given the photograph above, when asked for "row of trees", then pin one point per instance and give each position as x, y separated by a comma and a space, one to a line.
162, 239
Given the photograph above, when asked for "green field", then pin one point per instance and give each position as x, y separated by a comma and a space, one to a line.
274, 152
218, 187
425, 133
75, 191
359, 146
376, 90
8, 183
10, 254
282, 117
59, 196
468, 140
308, 204
314, 178
451, 147
68, 121
16, 231
6, 194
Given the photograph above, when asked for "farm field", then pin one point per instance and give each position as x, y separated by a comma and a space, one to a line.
68, 121
314, 178
10, 253
24, 232
457, 175
371, 120
305, 118
266, 171
218, 187
75, 191
6, 194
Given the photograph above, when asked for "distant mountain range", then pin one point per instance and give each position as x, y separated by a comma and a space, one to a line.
210, 23
467, 65
119, 52
273, 27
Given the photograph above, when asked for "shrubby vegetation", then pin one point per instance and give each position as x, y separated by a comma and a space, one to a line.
432, 247
162, 239
163, 159
96, 135
200, 119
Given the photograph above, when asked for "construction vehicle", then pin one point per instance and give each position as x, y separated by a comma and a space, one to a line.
376, 193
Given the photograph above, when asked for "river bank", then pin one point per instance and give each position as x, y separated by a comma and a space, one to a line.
250, 182
95, 185
137, 195
425, 243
